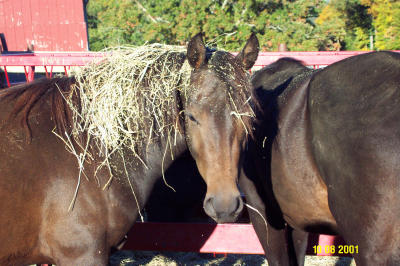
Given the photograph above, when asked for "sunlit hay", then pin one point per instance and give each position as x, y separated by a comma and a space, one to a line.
127, 100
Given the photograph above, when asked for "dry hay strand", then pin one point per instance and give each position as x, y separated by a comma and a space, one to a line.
126, 101
127, 98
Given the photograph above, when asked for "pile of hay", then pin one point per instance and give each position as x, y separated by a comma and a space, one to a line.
127, 98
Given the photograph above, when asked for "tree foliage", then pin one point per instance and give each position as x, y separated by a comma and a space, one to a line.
386, 22
346, 25
300, 24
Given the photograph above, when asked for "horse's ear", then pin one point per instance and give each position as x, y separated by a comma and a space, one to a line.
248, 56
196, 51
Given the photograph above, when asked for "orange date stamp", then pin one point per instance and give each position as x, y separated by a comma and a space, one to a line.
332, 249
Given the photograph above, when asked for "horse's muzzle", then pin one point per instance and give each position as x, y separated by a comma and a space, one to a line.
223, 209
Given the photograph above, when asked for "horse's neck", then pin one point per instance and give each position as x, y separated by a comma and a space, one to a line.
293, 113
145, 172
277, 100
132, 182
293, 84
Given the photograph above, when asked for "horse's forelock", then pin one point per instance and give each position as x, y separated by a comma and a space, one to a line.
243, 102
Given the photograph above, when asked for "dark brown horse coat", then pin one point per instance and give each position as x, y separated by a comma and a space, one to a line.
330, 142
37, 184
38, 176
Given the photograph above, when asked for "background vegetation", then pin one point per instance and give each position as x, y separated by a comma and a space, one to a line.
303, 25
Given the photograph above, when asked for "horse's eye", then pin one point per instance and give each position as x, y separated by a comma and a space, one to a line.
191, 117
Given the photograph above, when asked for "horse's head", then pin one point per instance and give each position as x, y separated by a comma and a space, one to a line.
218, 118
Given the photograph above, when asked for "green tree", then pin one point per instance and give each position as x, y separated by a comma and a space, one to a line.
227, 24
346, 25
386, 22
301, 24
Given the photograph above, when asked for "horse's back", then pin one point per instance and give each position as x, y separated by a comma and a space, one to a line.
363, 89
355, 135
354, 110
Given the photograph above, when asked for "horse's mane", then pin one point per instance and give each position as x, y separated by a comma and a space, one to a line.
289, 64
128, 100
274, 78
26, 96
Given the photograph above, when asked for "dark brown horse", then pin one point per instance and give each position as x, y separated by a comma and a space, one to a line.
38, 175
326, 157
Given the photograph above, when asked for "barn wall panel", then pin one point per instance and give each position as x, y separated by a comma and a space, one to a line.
2, 21
27, 24
50, 25
9, 32
17, 21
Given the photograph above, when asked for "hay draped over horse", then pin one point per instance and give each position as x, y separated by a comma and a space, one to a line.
132, 97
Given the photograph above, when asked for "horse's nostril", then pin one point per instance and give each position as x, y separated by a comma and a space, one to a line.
209, 207
220, 208
239, 204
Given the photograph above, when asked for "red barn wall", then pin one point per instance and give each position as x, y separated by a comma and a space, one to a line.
50, 25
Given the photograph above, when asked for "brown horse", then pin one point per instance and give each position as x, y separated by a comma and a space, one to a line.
38, 175
326, 157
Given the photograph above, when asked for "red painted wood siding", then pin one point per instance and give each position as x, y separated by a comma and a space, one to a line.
50, 25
